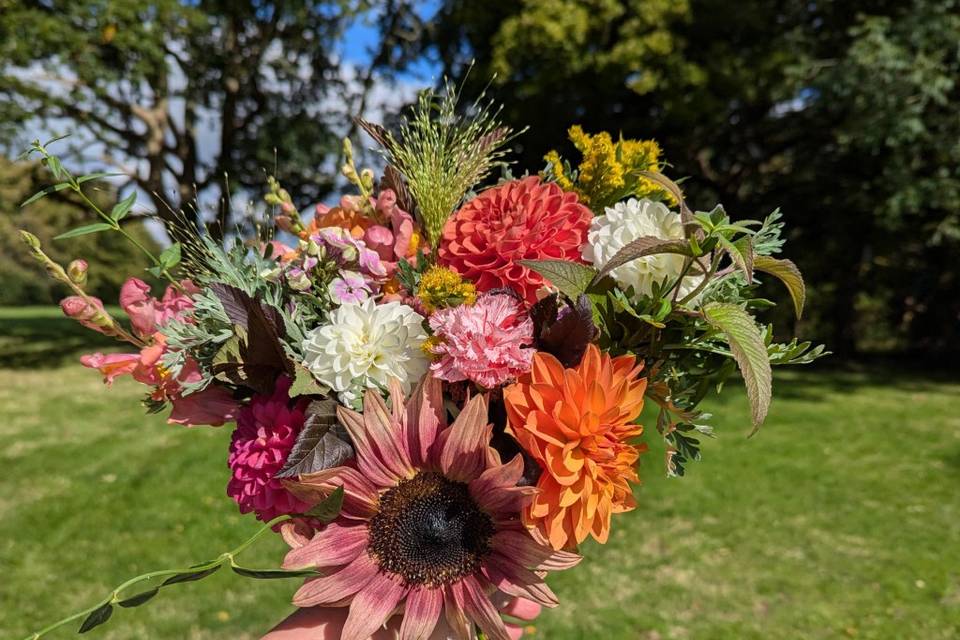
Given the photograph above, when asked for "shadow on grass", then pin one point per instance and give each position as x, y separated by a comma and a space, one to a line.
41, 337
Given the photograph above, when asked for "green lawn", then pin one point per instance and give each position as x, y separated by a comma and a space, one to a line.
840, 519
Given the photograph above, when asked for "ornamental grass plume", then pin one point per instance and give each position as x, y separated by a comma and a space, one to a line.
442, 153
430, 522
577, 424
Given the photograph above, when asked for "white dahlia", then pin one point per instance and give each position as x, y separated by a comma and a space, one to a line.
625, 222
362, 346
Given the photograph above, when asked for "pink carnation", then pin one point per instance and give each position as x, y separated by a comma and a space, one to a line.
488, 342
265, 434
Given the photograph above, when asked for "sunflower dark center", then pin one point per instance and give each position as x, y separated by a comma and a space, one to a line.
429, 531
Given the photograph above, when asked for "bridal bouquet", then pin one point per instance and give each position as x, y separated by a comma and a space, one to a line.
436, 385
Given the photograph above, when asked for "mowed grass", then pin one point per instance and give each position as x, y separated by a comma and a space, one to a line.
841, 518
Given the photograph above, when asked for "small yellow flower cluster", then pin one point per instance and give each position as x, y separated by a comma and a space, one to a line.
428, 346
609, 170
443, 287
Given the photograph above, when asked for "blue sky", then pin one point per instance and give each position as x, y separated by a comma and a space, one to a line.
361, 39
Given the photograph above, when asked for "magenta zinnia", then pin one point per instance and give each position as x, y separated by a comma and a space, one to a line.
265, 434
430, 523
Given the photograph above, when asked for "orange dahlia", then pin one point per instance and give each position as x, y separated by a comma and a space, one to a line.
577, 424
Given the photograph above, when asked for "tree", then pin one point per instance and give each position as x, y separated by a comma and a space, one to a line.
834, 110
181, 94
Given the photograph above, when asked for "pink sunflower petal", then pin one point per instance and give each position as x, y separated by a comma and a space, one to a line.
296, 532
334, 546
464, 453
372, 607
478, 608
337, 586
453, 603
516, 581
368, 458
360, 497
525, 551
421, 614
384, 433
494, 489
423, 419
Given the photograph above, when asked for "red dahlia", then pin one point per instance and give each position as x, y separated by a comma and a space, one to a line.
519, 220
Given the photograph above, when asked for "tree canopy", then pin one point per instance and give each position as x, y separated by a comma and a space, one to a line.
841, 112
180, 95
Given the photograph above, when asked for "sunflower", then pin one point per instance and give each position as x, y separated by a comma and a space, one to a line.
577, 424
430, 522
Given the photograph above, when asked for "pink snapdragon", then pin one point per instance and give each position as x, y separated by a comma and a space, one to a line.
211, 406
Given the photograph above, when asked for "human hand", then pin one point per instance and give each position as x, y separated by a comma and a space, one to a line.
325, 623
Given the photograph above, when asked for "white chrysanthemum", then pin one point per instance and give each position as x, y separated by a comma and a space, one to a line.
364, 345
625, 222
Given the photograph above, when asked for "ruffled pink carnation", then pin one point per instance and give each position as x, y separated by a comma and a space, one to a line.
265, 434
489, 342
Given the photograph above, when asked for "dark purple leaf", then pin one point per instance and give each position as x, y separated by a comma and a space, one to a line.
563, 332
233, 301
322, 444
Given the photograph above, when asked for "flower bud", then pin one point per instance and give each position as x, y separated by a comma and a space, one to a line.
366, 179
30, 240
89, 312
77, 272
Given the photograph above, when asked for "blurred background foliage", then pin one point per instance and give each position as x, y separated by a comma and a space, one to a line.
841, 112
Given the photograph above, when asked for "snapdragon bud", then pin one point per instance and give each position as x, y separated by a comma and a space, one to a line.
77, 272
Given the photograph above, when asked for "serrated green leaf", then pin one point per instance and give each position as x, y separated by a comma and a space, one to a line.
96, 618
96, 227
749, 350
122, 208
190, 576
642, 247
571, 278
139, 599
45, 192
329, 508
788, 273
272, 574
741, 252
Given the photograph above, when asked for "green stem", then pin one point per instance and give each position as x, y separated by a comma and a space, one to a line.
116, 227
715, 263
115, 595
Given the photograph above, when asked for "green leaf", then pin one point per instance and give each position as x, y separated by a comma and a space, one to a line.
97, 176
96, 227
122, 208
45, 192
190, 576
789, 275
644, 246
304, 384
139, 599
571, 278
96, 618
741, 252
170, 256
272, 574
328, 509
750, 352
